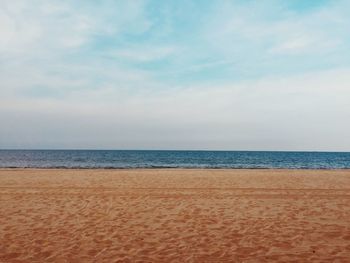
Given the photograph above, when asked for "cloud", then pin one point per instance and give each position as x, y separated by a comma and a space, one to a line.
143, 53
53, 49
265, 28
298, 113
139, 74
39, 26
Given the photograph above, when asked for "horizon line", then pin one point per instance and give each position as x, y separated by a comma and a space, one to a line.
168, 150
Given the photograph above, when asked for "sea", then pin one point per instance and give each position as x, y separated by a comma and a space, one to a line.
124, 159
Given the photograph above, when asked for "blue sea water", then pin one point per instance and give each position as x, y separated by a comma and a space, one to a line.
172, 159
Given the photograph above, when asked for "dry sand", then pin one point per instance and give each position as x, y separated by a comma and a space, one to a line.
174, 216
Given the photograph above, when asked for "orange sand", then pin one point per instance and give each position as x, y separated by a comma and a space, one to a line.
174, 216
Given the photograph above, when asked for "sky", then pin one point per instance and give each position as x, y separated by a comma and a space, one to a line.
185, 74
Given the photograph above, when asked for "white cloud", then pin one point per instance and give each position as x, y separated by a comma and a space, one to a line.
42, 47
144, 54
54, 94
300, 113
31, 26
305, 44
15, 35
267, 28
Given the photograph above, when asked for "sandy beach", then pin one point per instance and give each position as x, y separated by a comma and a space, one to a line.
174, 215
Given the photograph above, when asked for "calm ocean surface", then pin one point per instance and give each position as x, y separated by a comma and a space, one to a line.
171, 159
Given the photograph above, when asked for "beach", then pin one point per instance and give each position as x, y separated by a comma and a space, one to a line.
174, 215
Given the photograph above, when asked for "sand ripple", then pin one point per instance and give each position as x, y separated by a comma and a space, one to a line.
114, 216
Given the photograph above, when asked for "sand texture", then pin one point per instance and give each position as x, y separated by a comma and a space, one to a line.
174, 215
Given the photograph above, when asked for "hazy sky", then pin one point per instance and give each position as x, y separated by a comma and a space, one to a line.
234, 75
